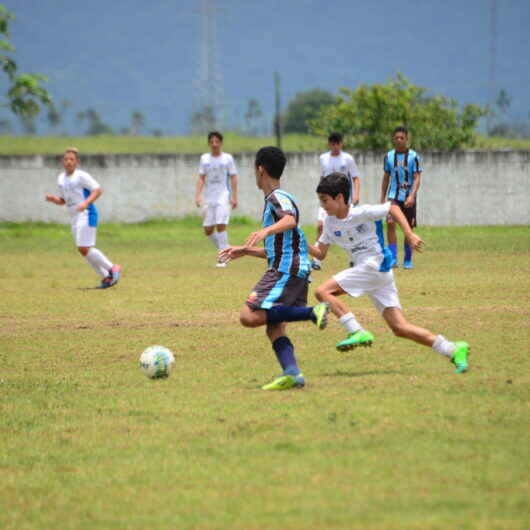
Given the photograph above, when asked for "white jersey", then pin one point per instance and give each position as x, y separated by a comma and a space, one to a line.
74, 189
360, 234
342, 163
218, 170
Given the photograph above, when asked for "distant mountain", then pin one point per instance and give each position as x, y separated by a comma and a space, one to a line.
125, 55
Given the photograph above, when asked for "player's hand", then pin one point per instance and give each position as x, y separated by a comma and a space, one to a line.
230, 253
409, 201
255, 238
49, 198
233, 203
415, 242
198, 202
81, 207
355, 200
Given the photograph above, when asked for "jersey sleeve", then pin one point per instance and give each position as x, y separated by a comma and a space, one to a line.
321, 163
203, 165
282, 205
232, 170
325, 238
369, 212
352, 168
417, 164
60, 188
88, 182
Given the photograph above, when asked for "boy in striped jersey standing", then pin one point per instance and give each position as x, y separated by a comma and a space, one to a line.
281, 294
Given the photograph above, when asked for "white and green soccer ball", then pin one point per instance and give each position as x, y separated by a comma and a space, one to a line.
156, 362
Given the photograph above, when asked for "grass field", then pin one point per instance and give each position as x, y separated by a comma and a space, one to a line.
384, 438
190, 144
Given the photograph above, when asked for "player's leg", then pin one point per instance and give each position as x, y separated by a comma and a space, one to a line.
329, 292
291, 376
410, 214
457, 352
208, 224
222, 233
276, 299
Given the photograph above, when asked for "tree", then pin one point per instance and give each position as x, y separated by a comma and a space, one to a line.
203, 120
25, 94
96, 126
305, 107
55, 116
366, 116
252, 116
137, 122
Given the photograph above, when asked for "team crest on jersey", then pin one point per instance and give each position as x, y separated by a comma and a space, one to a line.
285, 203
337, 233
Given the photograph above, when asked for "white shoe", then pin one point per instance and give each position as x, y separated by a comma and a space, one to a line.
221, 264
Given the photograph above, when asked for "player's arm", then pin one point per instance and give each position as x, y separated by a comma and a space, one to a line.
233, 193
411, 199
94, 195
318, 251
235, 252
199, 188
287, 222
412, 239
384, 186
53, 198
356, 189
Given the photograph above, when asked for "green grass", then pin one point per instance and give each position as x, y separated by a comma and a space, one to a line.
149, 145
189, 144
386, 438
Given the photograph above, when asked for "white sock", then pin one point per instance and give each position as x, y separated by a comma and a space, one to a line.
213, 238
99, 261
222, 238
444, 346
349, 323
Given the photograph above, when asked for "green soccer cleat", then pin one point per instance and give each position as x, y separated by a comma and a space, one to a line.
460, 357
320, 312
359, 338
285, 382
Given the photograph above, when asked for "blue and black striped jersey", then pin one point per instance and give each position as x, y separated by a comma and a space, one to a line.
401, 167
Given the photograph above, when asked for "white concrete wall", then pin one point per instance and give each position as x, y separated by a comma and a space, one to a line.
464, 188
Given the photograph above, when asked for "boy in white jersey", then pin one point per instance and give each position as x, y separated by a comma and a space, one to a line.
218, 179
78, 190
336, 160
359, 231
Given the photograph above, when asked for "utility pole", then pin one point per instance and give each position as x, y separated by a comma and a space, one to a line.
493, 61
277, 115
208, 98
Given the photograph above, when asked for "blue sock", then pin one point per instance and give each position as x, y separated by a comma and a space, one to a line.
283, 313
284, 350
393, 249
408, 252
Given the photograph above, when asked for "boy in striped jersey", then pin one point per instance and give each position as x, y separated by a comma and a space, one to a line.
359, 231
281, 294
401, 182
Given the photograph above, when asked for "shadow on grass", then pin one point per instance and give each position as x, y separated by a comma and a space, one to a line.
340, 373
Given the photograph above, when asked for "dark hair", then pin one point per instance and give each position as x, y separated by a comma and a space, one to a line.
335, 184
335, 138
215, 133
272, 159
400, 129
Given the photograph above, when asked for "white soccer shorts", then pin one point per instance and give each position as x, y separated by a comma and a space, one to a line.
366, 279
216, 214
84, 235
321, 216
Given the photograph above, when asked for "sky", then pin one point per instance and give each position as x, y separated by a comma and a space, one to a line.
125, 55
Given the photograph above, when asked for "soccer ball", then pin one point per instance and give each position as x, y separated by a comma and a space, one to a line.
156, 362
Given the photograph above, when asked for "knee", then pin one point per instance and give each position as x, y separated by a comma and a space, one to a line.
400, 330
83, 250
208, 230
319, 294
248, 320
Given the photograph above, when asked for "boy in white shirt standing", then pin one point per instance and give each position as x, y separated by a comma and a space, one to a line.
78, 190
218, 179
359, 231
336, 160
